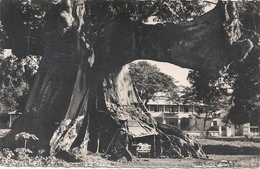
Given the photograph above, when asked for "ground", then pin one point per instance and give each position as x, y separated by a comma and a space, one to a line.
222, 152
212, 161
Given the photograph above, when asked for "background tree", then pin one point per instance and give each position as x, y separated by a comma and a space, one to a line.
16, 77
148, 80
82, 84
246, 102
213, 94
245, 73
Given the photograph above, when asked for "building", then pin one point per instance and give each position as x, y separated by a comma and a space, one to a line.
3, 116
7, 117
191, 117
173, 113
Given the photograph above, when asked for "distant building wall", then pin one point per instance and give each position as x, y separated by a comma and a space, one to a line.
191, 117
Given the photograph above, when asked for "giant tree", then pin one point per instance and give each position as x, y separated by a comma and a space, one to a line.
242, 76
82, 84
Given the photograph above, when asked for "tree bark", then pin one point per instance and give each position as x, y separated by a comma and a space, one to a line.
203, 44
83, 86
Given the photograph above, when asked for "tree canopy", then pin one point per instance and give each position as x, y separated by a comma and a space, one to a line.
148, 80
32, 17
245, 73
209, 91
16, 77
246, 101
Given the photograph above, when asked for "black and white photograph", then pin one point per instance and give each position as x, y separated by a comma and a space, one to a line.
130, 83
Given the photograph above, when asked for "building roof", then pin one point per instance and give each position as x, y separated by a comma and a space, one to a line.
160, 98
156, 114
14, 112
138, 120
161, 102
137, 129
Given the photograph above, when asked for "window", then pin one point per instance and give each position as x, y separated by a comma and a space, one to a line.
175, 108
153, 108
185, 122
168, 108
186, 109
201, 110
171, 123
160, 108
190, 108
216, 115
223, 128
181, 108
215, 123
196, 109
254, 129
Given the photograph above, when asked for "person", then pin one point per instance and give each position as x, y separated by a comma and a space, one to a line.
161, 148
207, 133
122, 141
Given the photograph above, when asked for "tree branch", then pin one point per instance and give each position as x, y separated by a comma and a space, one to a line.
202, 44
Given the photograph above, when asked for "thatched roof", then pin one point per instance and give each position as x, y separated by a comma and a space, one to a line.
139, 123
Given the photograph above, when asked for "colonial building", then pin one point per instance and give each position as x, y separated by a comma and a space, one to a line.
191, 117
7, 117
174, 113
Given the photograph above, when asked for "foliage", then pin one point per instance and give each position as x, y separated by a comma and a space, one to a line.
246, 96
242, 77
31, 16
248, 162
16, 76
212, 93
25, 160
21, 158
7, 153
249, 14
245, 73
22, 153
148, 80
163, 11
25, 136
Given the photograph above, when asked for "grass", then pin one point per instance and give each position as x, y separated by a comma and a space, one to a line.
227, 147
248, 162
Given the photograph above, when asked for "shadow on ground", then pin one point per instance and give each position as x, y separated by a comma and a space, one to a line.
230, 150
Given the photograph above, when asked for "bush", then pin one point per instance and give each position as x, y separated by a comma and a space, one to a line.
22, 154
7, 153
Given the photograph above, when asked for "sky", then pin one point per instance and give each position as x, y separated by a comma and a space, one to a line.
178, 73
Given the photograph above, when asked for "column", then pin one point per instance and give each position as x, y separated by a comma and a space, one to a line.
220, 130
179, 122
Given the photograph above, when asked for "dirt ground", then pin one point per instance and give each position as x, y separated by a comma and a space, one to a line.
222, 152
212, 161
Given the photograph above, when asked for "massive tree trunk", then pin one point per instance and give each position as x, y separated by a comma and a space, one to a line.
82, 86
